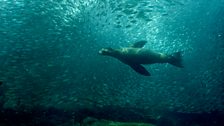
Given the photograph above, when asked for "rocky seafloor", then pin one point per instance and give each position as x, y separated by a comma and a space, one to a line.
105, 116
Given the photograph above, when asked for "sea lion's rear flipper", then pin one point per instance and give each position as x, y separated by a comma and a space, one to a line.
139, 44
140, 69
176, 59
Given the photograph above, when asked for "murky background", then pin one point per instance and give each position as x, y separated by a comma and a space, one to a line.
49, 54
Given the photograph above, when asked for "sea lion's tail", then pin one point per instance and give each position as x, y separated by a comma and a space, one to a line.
176, 59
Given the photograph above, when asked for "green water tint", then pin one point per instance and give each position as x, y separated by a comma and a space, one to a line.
49, 54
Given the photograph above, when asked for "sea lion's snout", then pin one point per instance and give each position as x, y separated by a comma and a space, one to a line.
102, 51
105, 51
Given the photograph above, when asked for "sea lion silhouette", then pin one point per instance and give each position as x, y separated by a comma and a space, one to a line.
136, 55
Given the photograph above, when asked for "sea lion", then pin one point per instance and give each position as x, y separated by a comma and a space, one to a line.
136, 55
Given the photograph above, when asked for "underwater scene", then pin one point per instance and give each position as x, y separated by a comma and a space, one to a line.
111, 63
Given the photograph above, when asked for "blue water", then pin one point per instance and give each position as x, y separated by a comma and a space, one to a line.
49, 54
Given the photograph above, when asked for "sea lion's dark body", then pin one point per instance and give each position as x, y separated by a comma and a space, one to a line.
140, 56
135, 56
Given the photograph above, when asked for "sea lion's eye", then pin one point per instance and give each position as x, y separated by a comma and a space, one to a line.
104, 50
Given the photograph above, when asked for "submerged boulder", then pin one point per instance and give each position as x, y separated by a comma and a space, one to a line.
95, 122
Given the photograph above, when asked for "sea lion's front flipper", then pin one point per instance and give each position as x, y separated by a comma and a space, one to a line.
140, 69
139, 44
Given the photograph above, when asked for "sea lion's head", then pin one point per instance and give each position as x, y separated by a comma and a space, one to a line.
106, 51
